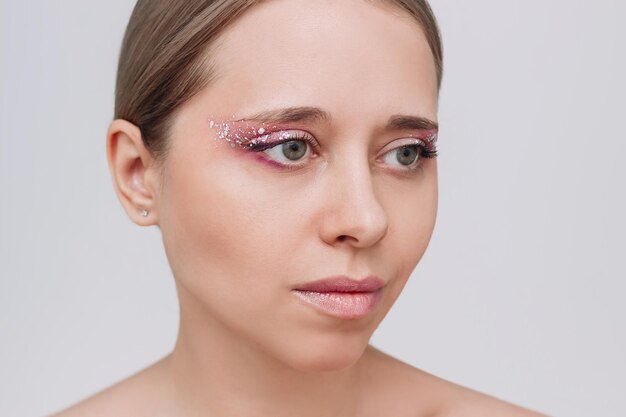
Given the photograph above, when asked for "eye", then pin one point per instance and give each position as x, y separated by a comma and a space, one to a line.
290, 147
293, 150
407, 157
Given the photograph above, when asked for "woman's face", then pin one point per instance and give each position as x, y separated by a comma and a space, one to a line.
242, 229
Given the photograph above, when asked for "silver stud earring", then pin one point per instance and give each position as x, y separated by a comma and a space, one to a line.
145, 213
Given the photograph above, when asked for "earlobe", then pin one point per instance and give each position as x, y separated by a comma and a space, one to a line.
131, 166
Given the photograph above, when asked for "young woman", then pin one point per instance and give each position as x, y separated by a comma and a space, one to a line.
286, 151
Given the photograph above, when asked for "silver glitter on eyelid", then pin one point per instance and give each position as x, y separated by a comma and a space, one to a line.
242, 137
224, 133
432, 138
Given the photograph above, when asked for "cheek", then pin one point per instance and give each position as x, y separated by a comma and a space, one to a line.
413, 214
224, 230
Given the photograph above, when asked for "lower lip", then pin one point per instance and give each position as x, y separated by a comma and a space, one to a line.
345, 305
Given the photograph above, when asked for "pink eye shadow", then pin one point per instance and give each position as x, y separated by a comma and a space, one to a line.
429, 137
240, 132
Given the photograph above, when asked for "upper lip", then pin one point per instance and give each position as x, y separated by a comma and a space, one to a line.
342, 283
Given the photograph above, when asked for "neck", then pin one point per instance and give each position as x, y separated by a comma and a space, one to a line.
215, 371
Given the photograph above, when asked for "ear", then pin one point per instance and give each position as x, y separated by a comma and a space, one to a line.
133, 172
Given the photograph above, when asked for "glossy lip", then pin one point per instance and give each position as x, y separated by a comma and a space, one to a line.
342, 296
342, 283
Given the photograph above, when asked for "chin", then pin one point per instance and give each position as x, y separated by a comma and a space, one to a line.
325, 356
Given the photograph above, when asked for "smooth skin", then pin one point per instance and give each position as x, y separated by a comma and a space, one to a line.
240, 234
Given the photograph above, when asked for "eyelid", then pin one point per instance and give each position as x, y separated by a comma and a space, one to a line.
427, 138
263, 142
405, 142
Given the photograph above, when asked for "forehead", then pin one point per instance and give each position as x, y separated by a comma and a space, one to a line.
352, 57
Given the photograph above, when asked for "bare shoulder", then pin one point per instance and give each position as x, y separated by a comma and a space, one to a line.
464, 402
135, 396
425, 395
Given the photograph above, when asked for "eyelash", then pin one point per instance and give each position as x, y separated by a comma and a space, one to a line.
424, 151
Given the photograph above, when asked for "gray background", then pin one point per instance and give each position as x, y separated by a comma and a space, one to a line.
519, 294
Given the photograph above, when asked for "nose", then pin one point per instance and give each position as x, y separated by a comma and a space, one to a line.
353, 214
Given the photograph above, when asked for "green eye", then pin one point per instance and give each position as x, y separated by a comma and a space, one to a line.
406, 155
294, 149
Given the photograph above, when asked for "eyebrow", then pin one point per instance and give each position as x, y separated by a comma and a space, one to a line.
289, 115
314, 114
403, 122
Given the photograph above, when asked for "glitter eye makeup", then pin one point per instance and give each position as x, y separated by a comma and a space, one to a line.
282, 144
241, 133
286, 148
416, 149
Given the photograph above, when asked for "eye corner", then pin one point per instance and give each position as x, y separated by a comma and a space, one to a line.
429, 153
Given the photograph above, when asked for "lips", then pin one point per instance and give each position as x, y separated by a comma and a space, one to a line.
343, 284
342, 296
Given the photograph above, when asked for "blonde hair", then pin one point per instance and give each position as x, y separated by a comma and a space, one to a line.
164, 59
